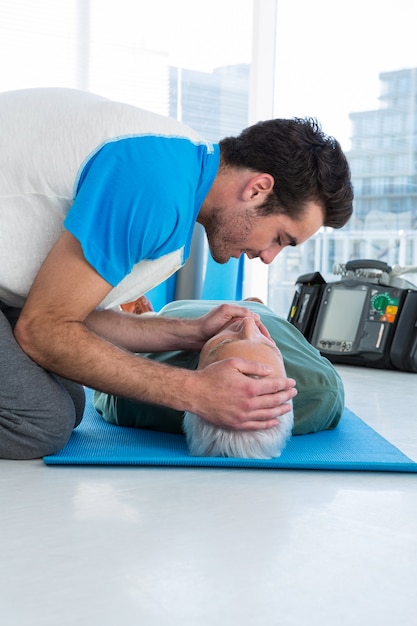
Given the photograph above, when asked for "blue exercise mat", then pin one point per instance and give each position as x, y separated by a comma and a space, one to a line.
353, 445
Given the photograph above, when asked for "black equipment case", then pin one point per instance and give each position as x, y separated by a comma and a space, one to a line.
367, 318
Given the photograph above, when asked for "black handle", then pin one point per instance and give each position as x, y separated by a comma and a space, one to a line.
360, 264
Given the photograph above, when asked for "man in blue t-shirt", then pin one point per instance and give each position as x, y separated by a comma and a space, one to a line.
98, 202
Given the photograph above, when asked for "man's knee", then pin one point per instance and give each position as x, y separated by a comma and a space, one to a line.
38, 410
77, 395
24, 437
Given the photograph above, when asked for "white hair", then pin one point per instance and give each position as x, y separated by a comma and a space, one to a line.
207, 439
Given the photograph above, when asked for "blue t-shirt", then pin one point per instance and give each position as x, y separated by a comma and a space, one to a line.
127, 182
137, 198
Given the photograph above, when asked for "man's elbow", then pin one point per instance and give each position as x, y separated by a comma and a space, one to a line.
27, 333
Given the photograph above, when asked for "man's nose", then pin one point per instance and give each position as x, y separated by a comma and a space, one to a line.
268, 255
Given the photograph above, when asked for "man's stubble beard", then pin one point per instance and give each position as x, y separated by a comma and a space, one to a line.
227, 236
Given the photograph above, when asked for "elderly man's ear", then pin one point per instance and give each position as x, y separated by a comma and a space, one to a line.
139, 306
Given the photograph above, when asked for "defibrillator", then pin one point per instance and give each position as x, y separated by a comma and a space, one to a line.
368, 317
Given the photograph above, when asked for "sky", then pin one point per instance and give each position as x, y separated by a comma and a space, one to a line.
329, 53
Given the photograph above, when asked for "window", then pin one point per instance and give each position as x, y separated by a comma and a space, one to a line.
350, 75
130, 51
182, 58
200, 62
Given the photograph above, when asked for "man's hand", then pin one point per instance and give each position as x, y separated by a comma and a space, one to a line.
242, 395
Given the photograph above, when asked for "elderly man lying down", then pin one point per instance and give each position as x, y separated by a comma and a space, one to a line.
317, 406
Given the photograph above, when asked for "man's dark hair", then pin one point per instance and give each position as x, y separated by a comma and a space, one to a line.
306, 165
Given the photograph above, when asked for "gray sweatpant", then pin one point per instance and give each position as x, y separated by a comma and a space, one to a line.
38, 410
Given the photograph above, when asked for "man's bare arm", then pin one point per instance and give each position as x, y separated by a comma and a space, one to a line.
56, 336
145, 333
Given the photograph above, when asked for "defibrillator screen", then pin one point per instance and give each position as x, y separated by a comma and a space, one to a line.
341, 314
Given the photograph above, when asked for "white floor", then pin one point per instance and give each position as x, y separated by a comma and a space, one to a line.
150, 547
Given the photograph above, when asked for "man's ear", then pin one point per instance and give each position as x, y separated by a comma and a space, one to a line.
259, 185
